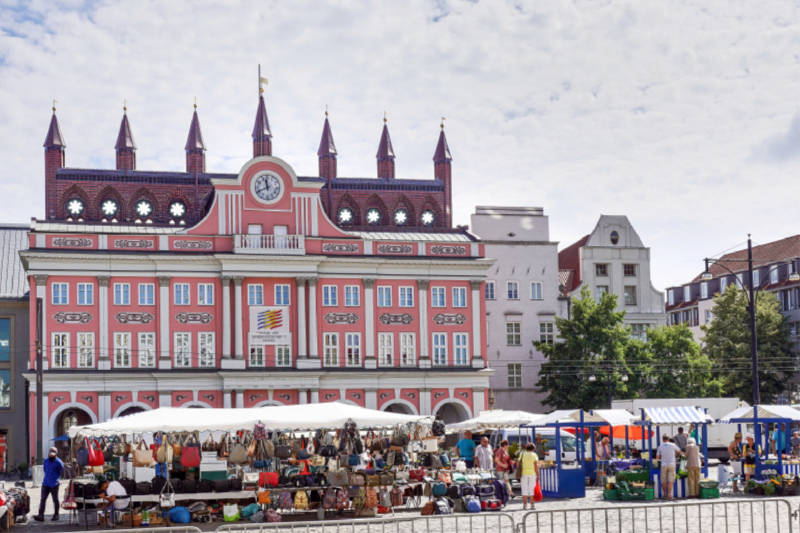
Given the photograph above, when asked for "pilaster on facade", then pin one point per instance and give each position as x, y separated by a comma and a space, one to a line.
240, 399
313, 337
422, 297
104, 351
302, 396
424, 402
226, 317
370, 362
41, 292
164, 340
226, 398
371, 398
477, 360
478, 400
314, 395
238, 343
165, 398
302, 334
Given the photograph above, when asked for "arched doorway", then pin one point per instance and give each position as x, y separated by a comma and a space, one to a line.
399, 408
68, 418
131, 411
451, 412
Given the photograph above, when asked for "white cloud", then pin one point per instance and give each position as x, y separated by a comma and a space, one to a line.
673, 113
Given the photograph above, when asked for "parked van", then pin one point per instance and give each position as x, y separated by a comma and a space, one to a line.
528, 435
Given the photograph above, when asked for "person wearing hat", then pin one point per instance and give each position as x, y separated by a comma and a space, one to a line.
735, 452
693, 467
749, 452
52, 473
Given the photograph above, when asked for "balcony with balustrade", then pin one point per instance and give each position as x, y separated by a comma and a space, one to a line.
269, 244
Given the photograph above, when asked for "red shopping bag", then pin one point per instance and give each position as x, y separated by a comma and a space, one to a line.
95, 455
537, 492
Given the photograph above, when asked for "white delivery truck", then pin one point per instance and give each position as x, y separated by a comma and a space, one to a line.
719, 435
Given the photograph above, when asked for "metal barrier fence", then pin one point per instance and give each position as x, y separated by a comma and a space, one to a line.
748, 516
476, 523
174, 529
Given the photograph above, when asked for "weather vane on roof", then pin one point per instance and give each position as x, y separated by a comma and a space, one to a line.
384, 117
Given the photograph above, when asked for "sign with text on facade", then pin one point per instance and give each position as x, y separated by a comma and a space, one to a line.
269, 325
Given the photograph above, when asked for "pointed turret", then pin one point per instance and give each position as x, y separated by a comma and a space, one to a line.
126, 146
262, 136
385, 154
54, 158
327, 152
195, 147
442, 171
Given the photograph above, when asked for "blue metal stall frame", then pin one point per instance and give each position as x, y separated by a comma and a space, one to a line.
673, 416
564, 482
764, 415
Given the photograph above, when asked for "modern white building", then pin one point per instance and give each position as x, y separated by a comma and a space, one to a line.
613, 259
522, 300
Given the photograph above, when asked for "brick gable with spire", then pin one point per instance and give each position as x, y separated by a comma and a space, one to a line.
400, 204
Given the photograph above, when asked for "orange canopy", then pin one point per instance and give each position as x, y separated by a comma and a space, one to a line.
634, 432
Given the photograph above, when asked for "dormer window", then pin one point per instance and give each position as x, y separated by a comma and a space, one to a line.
687, 294
756, 278
671, 297
773, 276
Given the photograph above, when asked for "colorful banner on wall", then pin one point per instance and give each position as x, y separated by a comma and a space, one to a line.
269, 325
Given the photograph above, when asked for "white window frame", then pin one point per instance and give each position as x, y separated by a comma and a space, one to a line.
255, 295
704, 289
490, 290
352, 349
407, 351
438, 297
62, 292
439, 348
547, 332
205, 294
740, 279
283, 294
147, 294
708, 316
147, 349
723, 283
512, 290
384, 296
635, 299
386, 349
85, 293
513, 333
123, 290
757, 278
256, 352
122, 350
773, 276
459, 296
597, 269
183, 349
85, 350
515, 376
460, 349
536, 290
60, 350
182, 291
599, 293
687, 293
330, 350
635, 270
330, 296
670, 297
283, 355
352, 296
406, 296
206, 349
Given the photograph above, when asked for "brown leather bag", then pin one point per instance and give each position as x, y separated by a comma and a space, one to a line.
373, 481
428, 508
251, 448
176, 448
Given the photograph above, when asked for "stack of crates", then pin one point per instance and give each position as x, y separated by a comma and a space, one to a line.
709, 490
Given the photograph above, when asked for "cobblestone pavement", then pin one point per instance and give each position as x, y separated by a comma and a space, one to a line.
620, 517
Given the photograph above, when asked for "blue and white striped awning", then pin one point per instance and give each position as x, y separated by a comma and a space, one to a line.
614, 417
673, 416
764, 412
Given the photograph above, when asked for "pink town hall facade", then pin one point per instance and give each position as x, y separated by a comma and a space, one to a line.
197, 290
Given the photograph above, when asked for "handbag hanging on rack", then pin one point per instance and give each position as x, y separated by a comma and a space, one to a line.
166, 498
141, 455
190, 454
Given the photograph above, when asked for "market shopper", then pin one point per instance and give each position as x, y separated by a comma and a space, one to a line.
681, 439
542, 447
749, 452
604, 449
735, 452
52, 473
483, 455
693, 468
795, 442
503, 466
667, 452
466, 449
530, 473
780, 440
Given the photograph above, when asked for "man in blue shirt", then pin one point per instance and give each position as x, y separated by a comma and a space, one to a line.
466, 449
780, 440
52, 473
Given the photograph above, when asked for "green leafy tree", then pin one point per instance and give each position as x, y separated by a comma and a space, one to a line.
727, 345
679, 369
592, 341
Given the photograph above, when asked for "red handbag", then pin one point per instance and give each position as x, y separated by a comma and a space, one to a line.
95, 455
190, 453
416, 474
266, 479
537, 492
69, 502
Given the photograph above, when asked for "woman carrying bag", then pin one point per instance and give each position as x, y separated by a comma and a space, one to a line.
527, 473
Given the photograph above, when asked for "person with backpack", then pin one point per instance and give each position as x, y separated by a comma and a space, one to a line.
503, 466
529, 463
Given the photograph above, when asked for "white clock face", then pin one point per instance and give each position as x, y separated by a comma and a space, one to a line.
268, 187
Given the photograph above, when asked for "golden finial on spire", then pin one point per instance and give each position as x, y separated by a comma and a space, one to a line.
326, 110
442, 124
54, 106
195, 102
125, 108
384, 117
261, 81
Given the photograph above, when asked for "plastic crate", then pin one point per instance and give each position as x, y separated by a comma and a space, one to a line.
709, 484
632, 496
610, 494
637, 476
709, 494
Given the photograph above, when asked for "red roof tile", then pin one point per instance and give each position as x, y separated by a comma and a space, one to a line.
570, 259
763, 255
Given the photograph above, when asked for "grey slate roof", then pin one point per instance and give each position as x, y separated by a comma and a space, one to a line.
13, 281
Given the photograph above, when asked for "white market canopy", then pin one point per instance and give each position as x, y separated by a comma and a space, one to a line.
612, 417
497, 419
308, 417
764, 412
675, 416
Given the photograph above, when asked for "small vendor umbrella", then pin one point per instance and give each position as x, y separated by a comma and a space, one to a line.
61, 438
634, 432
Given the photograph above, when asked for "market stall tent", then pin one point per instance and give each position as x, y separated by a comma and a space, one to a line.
330, 415
497, 419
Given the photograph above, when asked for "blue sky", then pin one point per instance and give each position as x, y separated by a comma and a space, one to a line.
684, 116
